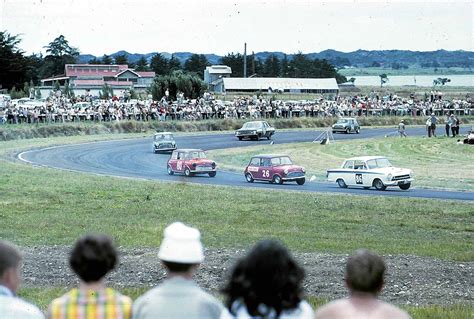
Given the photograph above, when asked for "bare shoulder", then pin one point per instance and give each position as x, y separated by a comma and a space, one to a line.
394, 312
333, 309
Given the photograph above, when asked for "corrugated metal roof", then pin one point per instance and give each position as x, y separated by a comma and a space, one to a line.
280, 84
219, 69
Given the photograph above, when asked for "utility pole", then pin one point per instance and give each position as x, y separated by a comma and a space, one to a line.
245, 59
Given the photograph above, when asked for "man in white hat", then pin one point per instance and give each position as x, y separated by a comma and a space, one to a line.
178, 296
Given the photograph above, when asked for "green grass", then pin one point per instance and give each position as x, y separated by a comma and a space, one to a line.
436, 163
64, 205
43, 296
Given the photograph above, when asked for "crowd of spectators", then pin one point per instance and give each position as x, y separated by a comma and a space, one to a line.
56, 108
266, 283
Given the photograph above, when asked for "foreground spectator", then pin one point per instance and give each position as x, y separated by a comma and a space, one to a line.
178, 296
266, 284
12, 307
364, 279
92, 257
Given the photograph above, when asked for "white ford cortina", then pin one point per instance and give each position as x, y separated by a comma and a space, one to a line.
370, 171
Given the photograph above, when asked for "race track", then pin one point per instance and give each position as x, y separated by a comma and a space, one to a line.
134, 158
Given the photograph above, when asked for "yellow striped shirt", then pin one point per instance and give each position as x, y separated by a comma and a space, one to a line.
103, 304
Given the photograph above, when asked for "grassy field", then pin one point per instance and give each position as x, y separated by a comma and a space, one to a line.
436, 163
64, 205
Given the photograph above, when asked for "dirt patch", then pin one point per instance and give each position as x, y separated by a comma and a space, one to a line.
410, 279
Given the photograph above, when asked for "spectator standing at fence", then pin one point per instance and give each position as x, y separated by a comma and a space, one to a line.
364, 278
12, 307
266, 283
92, 257
447, 124
434, 120
401, 129
454, 125
178, 296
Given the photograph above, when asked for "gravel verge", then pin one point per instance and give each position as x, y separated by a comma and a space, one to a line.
410, 280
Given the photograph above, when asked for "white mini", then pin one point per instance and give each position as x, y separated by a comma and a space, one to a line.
370, 171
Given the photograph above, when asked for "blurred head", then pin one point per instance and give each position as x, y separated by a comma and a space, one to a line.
268, 275
92, 257
10, 264
365, 272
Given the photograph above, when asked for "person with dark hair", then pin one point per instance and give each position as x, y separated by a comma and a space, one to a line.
12, 307
91, 258
178, 296
364, 278
266, 283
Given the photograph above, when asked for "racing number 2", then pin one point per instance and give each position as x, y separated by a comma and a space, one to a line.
358, 179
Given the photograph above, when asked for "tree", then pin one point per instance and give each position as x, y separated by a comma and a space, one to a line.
352, 80
174, 64
13, 64
441, 81
196, 64
271, 66
106, 92
142, 65
106, 59
60, 53
94, 60
159, 64
121, 59
383, 79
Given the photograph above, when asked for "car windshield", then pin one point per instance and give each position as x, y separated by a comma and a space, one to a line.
341, 121
195, 154
251, 125
284, 160
378, 163
163, 137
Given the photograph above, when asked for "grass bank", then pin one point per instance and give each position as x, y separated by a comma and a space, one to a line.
28, 131
43, 296
436, 163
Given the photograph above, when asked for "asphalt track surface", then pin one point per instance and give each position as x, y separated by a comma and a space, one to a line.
134, 158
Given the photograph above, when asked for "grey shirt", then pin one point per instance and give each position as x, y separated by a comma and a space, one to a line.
177, 297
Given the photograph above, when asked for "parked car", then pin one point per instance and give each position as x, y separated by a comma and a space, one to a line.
274, 169
370, 171
163, 142
255, 130
191, 162
346, 125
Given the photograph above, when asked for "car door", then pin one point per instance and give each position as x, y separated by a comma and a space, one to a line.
253, 167
265, 169
172, 160
180, 162
347, 173
359, 175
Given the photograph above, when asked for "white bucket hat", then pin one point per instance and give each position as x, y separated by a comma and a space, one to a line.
181, 244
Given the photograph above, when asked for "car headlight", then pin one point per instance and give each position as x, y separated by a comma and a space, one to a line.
389, 177
303, 170
194, 165
213, 165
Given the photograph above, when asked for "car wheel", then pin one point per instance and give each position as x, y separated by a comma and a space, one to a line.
187, 172
301, 181
404, 186
378, 184
212, 174
170, 170
348, 130
341, 183
240, 138
334, 131
249, 178
277, 179
357, 131
269, 137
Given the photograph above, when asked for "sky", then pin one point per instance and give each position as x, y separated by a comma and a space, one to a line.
222, 26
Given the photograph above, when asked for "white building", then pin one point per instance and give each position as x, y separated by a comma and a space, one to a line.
213, 73
283, 85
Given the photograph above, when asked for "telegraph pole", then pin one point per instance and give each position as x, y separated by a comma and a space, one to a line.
245, 59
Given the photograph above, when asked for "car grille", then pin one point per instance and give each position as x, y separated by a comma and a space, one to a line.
165, 145
400, 177
203, 168
295, 174
244, 132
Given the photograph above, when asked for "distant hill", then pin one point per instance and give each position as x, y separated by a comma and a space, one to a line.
359, 58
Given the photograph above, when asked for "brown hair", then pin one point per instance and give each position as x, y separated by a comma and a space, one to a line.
9, 256
365, 271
